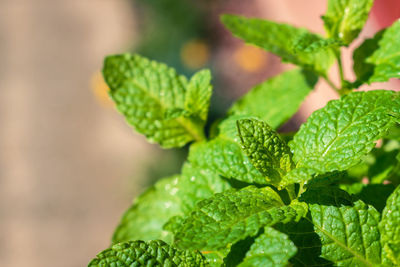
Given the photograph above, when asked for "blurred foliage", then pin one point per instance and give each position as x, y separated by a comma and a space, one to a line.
165, 27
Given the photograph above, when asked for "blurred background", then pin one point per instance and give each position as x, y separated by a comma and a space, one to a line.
69, 165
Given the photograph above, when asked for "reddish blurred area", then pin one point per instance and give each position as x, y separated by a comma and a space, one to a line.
385, 12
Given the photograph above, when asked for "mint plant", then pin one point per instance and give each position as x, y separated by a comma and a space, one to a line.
327, 195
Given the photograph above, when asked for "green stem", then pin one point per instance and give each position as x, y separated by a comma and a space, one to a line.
340, 66
331, 84
193, 128
343, 82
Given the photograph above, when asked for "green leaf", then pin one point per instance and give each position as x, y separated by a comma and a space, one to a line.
272, 248
152, 253
224, 156
344, 19
277, 99
152, 98
390, 228
377, 59
198, 94
174, 113
386, 58
279, 39
348, 231
336, 137
298, 175
391, 254
394, 134
228, 127
176, 195
215, 258
234, 215
311, 43
266, 150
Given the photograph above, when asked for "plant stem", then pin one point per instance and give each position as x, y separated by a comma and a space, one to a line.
193, 128
342, 90
340, 66
343, 82
331, 84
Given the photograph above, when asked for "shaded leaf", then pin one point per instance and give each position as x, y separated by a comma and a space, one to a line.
364, 70
375, 194
377, 59
271, 248
386, 58
307, 242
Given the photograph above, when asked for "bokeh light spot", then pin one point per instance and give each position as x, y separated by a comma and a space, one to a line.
195, 54
250, 58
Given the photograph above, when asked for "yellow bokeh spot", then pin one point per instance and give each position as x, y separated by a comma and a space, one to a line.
100, 89
250, 58
195, 54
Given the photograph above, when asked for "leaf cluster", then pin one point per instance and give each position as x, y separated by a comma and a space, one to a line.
248, 197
